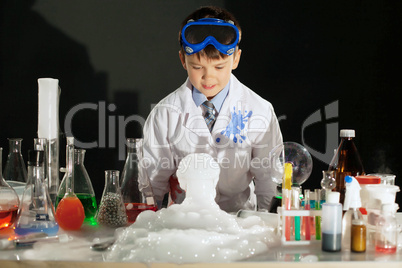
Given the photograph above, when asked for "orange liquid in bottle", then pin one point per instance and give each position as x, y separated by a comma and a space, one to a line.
70, 213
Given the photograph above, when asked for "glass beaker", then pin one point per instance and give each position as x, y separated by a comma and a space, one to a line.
15, 169
36, 212
111, 211
70, 212
9, 201
135, 187
82, 187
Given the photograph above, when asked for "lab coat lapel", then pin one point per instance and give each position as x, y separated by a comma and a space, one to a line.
193, 120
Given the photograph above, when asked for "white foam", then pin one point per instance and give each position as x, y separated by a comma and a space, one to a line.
196, 230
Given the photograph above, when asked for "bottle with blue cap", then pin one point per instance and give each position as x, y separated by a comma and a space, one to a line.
353, 225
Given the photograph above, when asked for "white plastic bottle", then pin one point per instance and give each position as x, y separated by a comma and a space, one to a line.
331, 225
386, 238
352, 221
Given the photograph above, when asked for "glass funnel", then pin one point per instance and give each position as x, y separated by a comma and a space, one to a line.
111, 211
82, 187
15, 169
36, 212
135, 187
9, 201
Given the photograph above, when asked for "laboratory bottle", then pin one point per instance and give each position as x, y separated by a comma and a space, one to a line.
82, 187
386, 238
331, 223
70, 212
353, 225
36, 212
9, 200
135, 186
346, 161
111, 210
15, 169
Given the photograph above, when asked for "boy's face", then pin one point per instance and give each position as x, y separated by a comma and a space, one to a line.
210, 76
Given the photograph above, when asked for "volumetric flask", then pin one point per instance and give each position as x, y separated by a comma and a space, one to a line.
36, 212
8, 201
15, 169
82, 187
135, 188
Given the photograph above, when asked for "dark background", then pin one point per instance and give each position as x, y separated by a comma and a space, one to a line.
300, 55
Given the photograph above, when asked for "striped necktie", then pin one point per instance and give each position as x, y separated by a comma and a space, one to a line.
209, 115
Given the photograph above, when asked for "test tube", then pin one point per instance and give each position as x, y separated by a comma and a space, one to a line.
296, 206
287, 203
317, 218
306, 219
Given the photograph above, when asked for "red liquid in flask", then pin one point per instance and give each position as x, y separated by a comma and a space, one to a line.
7, 217
70, 213
133, 209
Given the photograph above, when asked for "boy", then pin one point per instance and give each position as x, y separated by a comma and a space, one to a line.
236, 127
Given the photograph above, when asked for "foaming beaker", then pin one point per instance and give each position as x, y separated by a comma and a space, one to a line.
36, 212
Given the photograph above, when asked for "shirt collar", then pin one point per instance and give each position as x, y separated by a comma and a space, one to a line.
217, 101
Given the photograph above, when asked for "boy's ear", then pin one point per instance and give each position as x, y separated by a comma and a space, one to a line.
236, 59
183, 60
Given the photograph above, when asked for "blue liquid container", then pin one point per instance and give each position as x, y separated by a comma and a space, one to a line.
36, 213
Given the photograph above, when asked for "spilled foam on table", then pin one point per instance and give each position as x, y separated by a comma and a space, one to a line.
196, 230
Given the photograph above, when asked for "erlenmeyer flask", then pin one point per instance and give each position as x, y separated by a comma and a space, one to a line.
15, 169
8, 200
82, 187
36, 212
135, 188
111, 209
70, 212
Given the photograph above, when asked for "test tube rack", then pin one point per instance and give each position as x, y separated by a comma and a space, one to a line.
282, 212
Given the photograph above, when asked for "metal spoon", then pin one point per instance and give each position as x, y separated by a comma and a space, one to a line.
102, 246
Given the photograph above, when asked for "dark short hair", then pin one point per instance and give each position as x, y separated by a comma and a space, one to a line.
209, 12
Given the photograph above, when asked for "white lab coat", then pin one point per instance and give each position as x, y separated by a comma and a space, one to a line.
245, 132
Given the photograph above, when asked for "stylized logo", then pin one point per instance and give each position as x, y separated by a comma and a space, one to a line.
330, 112
236, 126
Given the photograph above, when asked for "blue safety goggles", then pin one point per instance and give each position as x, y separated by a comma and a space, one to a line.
196, 35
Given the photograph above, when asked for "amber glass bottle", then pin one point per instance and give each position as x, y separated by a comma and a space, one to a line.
346, 161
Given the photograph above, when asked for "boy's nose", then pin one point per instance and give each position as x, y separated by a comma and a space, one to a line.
207, 73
